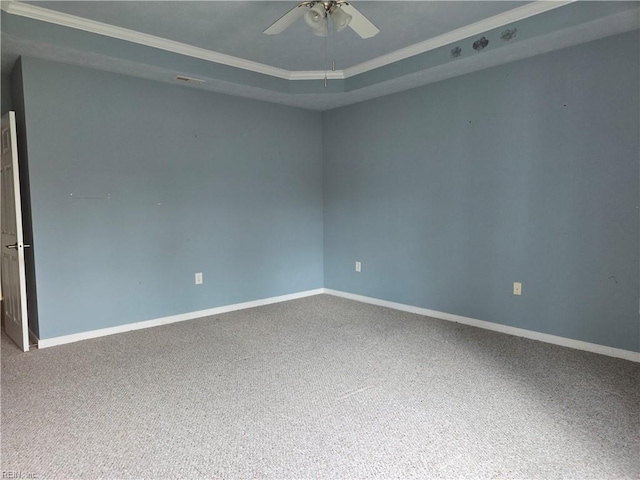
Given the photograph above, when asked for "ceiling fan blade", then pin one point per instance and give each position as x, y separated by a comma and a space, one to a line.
287, 19
359, 23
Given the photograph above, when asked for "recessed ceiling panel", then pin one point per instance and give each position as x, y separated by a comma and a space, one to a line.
235, 28
364, 68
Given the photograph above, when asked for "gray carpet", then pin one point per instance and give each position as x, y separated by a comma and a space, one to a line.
320, 387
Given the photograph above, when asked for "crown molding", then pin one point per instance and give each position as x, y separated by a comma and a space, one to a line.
497, 21
316, 75
15, 7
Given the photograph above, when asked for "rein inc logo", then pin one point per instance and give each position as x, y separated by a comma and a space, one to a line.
18, 474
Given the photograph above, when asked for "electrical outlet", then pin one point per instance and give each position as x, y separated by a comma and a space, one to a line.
199, 278
517, 288
358, 267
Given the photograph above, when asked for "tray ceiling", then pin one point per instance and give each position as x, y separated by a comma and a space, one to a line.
222, 43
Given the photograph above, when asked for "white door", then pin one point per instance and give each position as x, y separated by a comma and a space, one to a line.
14, 284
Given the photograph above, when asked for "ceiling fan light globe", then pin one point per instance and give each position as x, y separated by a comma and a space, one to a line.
321, 30
340, 18
315, 16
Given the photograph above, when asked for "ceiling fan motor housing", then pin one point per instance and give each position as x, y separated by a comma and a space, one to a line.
316, 14
319, 11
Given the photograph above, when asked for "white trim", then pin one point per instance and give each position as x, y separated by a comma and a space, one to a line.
16, 7
316, 75
496, 327
76, 337
500, 20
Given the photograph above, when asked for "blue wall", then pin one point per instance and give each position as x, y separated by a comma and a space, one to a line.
137, 185
526, 172
448, 194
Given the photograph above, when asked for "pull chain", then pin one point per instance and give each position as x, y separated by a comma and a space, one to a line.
326, 52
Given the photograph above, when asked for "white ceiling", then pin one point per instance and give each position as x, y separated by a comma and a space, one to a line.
223, 44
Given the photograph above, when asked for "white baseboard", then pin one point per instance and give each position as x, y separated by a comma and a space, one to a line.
519, 332
76, 337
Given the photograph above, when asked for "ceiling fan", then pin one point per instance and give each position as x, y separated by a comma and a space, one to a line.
316, 14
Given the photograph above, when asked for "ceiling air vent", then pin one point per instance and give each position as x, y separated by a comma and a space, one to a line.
184, 78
